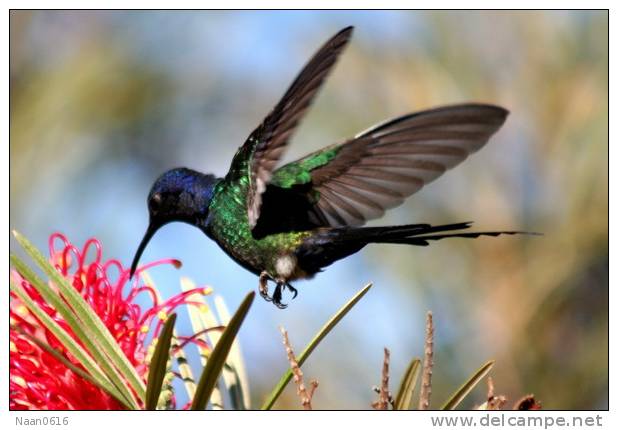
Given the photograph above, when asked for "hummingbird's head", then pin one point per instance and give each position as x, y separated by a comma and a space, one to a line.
177, 195
180, 195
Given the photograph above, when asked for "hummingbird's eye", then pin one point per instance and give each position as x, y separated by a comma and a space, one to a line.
154, 204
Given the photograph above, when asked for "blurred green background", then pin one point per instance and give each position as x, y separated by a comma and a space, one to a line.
103, 102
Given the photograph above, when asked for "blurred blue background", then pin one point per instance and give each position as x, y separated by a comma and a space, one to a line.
103, 102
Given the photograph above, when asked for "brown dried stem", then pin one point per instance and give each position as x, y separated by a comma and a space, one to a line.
301, 390
490, 388
493, 403
384, 395
496, 403
425, 395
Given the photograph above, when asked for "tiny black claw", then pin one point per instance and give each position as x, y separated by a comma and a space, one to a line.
263, 287
281, 305
277, 297
293, 290
265, 296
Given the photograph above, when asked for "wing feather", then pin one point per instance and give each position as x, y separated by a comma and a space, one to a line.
261, 152
376, 170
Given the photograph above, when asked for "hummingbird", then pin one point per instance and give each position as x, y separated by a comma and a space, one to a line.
290, 222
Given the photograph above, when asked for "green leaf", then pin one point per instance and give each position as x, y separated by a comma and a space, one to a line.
91, 322
100, 362
99, 380
202, 318
183, 367
287, 376
465, 389
217, 358
58, 356
181, 359
403, 401
158, 364
234, 373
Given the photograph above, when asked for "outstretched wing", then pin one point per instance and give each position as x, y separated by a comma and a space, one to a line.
261, 152
352, 182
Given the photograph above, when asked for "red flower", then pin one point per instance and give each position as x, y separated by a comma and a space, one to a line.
40, 381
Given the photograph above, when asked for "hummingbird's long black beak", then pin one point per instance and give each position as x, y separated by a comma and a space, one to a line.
152, 229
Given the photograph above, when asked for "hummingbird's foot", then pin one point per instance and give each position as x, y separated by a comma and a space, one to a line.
293, 290
277, 296
263, 286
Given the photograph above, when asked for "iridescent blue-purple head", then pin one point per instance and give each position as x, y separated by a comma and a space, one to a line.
177, 195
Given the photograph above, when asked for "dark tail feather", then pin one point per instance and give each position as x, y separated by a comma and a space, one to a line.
420, 234
396, 232
423, 240
334, 244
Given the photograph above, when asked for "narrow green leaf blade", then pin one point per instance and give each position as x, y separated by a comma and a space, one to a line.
403, 401
287, 376
100, 360
234, 373
91, 321
58, 356
202, 319
467, 386
181, 359
158, 364
186, 374
95, 376
217, 358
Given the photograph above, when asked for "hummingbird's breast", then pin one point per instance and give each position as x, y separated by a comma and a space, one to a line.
229, 227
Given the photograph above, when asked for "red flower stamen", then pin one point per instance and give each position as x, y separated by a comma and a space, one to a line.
40, 381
